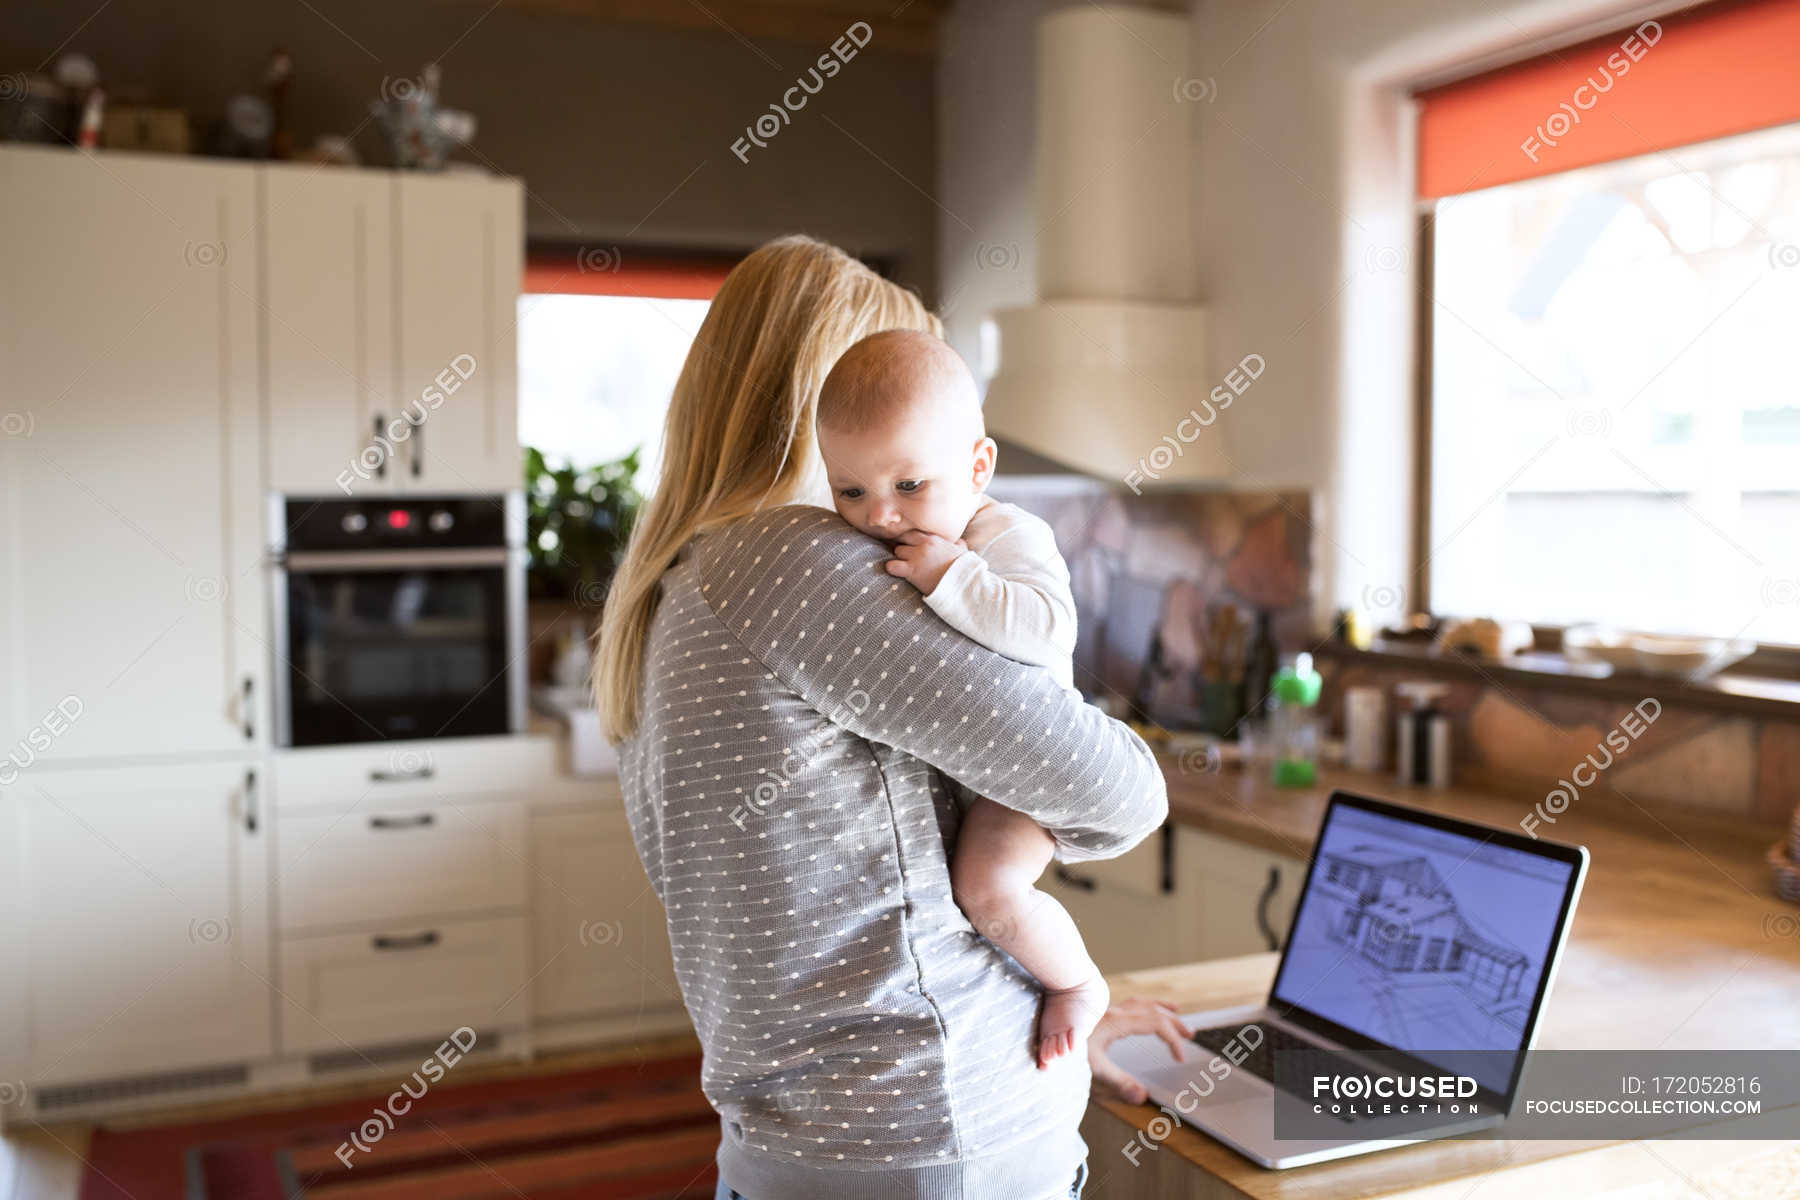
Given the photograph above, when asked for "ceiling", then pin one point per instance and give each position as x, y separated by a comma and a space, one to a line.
907, 26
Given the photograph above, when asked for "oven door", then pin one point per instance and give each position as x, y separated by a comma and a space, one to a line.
406, 644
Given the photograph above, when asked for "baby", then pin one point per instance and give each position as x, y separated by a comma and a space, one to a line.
908, 460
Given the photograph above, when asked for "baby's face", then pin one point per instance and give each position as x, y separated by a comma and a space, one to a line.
919, 470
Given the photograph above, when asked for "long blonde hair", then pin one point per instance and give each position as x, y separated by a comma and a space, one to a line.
739, 434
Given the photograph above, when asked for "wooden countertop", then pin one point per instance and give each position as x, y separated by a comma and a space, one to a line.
1679, 942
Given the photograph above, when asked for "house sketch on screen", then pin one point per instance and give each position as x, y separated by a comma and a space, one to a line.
1396, 912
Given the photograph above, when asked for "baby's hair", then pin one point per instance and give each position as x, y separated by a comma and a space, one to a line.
882, 373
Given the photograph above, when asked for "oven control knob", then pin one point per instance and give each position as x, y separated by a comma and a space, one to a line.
354, 522
441, 521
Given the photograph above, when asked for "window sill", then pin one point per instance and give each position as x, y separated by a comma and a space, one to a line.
1754, 695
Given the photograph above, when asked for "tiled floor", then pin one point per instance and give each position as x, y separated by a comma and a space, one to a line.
46, 1162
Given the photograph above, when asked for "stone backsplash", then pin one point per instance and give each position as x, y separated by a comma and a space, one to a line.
1159, 562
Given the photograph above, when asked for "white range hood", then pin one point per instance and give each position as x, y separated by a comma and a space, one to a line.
1112, 362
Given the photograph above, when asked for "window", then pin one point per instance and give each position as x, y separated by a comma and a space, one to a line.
596, 374
602, 336
1615, 394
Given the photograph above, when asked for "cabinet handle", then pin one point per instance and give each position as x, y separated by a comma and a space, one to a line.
417, 453
379, 776
417, 941
249, 710
1071, 879
1262, 909
381, 462
250, 803
417, 821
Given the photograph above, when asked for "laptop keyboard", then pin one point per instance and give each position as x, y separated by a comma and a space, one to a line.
1260, 1062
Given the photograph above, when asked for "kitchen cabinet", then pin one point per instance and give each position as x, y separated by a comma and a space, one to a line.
392, 344
1225, 899
600, 941
130, 444
329, 280
391, 860
1239, 895
1127, 918
401, 981
340, 778
136, 934
460, 255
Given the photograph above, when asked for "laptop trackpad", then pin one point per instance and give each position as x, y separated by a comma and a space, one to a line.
1204, 1093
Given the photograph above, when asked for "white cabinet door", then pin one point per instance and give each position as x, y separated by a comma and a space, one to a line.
600, 940
461, 248
137, 903
1242, 894
129, 455
393, 860
329, 281
401, 981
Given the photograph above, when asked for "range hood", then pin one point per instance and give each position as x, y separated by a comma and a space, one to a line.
1112, 362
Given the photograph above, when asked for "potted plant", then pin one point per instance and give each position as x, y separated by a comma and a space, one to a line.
577, 520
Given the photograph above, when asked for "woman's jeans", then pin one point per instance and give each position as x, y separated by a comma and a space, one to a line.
1081, 1174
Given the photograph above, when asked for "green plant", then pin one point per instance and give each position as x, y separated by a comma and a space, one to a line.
576, 523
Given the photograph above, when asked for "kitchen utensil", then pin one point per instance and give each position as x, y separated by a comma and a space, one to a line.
1598, 644
1786, 871
1422, 737
1693, 658
1365, 728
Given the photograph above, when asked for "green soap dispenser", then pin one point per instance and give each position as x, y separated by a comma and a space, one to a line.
1293, 729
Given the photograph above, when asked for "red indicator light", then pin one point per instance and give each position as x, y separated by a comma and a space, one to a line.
399, 518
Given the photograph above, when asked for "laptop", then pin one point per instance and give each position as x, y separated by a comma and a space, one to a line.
1420, 945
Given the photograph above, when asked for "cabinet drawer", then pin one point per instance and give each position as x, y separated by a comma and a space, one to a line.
342, 776
399, 982
398, 860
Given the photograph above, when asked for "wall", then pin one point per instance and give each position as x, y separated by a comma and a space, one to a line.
1304, 217
1528, 740
622, 134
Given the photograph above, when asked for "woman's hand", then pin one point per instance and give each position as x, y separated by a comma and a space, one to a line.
1133, 1014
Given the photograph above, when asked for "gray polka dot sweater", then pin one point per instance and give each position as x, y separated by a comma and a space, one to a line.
861, 1041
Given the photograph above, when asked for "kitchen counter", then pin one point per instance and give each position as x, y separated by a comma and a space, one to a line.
1677, 944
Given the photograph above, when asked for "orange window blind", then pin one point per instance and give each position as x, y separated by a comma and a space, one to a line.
1690, 76
606, 271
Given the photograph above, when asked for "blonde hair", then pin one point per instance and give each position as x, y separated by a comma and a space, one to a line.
739, 434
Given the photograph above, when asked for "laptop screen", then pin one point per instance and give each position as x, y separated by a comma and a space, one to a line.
1430, 941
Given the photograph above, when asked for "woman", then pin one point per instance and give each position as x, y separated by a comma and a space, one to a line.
785, 709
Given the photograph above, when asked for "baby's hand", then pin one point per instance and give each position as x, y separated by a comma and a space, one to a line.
922, 558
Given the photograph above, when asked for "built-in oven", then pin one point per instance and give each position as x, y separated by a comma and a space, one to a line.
401, 617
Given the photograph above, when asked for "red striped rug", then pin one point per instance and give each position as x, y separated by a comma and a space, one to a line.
637, 1131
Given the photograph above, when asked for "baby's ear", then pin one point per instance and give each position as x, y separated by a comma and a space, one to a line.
985, 454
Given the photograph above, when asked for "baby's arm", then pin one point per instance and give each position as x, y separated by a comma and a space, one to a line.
1013, 597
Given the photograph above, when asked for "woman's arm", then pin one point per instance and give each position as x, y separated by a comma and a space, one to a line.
807, 596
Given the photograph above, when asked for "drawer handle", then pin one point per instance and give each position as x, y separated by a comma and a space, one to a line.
417, 941
417, 821
380, 776
1262, 909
